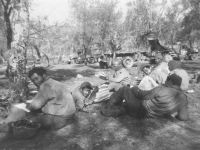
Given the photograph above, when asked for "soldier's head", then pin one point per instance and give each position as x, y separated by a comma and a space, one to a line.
37, 75
173, 79
172, 64
167, 58
158, 57
117, 64
86, 88
146, 69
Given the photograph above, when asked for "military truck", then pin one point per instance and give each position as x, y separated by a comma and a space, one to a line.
79, 57
147, 55
130, 58
183, 52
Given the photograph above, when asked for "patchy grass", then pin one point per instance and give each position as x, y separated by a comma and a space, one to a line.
93, 131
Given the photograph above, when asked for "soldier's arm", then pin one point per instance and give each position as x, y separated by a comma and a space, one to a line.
145, 95
42, 97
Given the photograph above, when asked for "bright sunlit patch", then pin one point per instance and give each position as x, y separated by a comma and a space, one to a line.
60, 10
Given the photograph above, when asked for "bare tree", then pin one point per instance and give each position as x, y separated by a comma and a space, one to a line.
16, 56
7, 9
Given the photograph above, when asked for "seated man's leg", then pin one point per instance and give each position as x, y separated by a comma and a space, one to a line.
134, 104
114, 86
182, 110
183, 114
114, 105
50, 121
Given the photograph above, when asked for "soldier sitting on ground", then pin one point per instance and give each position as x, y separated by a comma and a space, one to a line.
53, 99
161, 101
158, 76
120, 78
175, 68
161, 63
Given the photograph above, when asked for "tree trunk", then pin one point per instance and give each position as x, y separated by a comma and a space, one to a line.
7, 9
113, 48
85, 55
9, 32
17, 55
190, 43
37, 50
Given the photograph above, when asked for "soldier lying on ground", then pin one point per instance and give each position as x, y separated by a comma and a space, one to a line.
161, 101
83, 95
53, 99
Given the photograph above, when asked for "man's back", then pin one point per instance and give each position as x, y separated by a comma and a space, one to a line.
158, 76
164, 100
185, 77
163, 66
54, 98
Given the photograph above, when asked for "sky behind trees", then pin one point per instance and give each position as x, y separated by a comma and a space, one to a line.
59, 10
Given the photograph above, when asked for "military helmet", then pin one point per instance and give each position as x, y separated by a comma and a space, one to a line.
117, 62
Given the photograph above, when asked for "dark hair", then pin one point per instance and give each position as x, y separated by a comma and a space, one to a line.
144, 66
39, 70
172, 64
175, 79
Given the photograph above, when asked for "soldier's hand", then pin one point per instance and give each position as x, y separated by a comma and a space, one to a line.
103, 78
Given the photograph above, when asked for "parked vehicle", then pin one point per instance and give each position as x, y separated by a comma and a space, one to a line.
156, 47
189, 53
144, 55
130, 58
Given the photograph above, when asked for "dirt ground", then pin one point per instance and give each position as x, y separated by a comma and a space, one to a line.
94, 131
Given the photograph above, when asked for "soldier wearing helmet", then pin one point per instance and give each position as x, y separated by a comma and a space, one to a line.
121, 76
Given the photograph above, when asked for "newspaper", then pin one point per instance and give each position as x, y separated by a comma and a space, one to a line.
147, 83
23, 105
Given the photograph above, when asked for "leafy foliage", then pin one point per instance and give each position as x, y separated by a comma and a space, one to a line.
97, 21
98, 25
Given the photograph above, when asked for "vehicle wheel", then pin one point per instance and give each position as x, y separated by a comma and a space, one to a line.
128, 62
183, 52
92, 60
194, 57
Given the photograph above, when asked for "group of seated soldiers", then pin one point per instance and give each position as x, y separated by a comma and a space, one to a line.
54, 106
165, 97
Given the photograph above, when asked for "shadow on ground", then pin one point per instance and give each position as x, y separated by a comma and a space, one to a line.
93, 131
66, 74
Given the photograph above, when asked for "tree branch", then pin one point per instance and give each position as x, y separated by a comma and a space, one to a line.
9, 11
8, 2
3, 3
